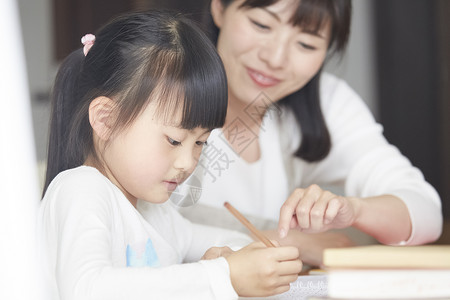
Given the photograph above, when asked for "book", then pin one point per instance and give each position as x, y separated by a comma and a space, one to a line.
389, 283
382, 256
388, 272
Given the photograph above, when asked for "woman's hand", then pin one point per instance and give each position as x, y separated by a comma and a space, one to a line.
315, 210
259, 271
311, 246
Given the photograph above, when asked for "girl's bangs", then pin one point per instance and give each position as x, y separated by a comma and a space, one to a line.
198, 92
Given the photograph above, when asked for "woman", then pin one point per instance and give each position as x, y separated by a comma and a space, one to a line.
292, 130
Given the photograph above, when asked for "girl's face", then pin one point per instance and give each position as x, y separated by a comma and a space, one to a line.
262, 51
148, 159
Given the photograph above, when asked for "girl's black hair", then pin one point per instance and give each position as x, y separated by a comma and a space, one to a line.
311, 15
136, 58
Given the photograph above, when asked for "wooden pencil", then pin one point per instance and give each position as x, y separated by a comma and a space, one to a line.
248, 225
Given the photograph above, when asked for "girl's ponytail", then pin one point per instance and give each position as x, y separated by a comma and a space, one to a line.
63, 109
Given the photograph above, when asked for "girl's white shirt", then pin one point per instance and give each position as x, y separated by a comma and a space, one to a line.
96, 245
361, 163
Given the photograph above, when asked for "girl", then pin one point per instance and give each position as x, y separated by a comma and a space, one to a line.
130, 117
292, 130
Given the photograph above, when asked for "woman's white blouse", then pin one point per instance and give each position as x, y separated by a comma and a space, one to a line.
361, 163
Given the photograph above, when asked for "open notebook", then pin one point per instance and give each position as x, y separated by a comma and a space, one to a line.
305, 287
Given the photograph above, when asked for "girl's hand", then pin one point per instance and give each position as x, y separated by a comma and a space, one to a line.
216, 252
316, 210
259, 271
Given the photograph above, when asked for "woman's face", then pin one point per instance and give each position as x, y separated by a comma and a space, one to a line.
263, 51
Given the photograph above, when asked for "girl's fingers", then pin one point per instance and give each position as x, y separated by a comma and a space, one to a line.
282, 254
287, 279
281, 289
291, 267
282, 284
287, 211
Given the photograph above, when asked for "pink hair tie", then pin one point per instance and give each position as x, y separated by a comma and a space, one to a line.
88, 41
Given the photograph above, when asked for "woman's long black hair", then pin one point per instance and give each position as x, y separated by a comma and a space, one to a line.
133, 56
305, 103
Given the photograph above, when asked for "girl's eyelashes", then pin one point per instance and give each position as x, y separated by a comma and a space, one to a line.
177, 143
173, 142
200, 143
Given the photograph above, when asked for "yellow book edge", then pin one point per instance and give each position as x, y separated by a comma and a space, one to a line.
383, 256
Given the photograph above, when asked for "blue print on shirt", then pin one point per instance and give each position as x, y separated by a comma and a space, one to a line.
142, 257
